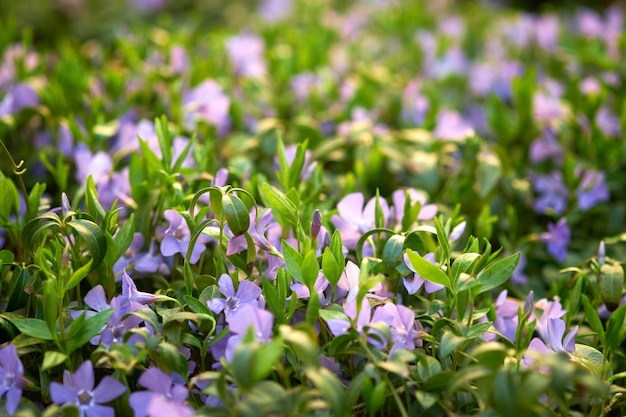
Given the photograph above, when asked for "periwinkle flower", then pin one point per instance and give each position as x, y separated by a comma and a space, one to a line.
545, 148
401, 320
177, 237
274, 10
18, 98
348, 284
452, 126
11, 377
179, 60
165, 397
353, 220
507, 319
555, 340
415, 282
414, 104
249, 317
553, 193
130, 291
608, 122
547, 108
304, 84
207, 102
247, 293
361, 320
592, 189
427, 211
557, 238
246, 54
78, 389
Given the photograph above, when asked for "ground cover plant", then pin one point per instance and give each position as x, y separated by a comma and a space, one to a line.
305, 208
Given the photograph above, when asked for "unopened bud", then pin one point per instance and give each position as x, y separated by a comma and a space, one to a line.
601, 253
65, 204
316, 225
456, 233
530, 302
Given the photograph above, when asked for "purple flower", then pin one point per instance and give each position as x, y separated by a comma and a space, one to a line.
553, 193
177, 236
414, 283
519, 277
592, 189
274, 10
507, 319
246, 54
401, 320
354, 220
348, 284
554, 341
546, 147
78, 389
179, 60
364, 318
209, 103
451, 126
557, 238
304, 84
247, 293
249, 317
414, 104
20, 97
165, 398
427, 211
98, 165
129, 290
608, 122
547, 108
11, 377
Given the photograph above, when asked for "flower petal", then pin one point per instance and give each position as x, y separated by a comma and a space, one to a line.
156, 380
62, 394
108, 389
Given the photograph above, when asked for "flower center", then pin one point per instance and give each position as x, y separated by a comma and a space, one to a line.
84, 398
232, 303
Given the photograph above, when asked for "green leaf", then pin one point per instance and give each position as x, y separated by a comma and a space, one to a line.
123, 239
611, 284
442, 238
293, 261
236, 214
392, 252
94, 208
279, 202
592, 318
489, 172
165, 141
449, 343
462, 264
274, 304
31, 327
196, 305
78, 275
427, 270
333, 392
92, 326
615, 329
17, 294
330, 267
93, 236
52, 359
497, 273
310, 269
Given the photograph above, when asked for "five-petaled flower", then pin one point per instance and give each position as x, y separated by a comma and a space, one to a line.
78, 389
11, 377
165, 398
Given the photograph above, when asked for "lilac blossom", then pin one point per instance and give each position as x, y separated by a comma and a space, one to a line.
177, 236
452, 126
164, 398
18, 98
557, 238
246, 54
249, 317
207, 102
546, 147
247, 293
11, 377
353, 220
553, 193
78, 389
592, 189
414, 283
